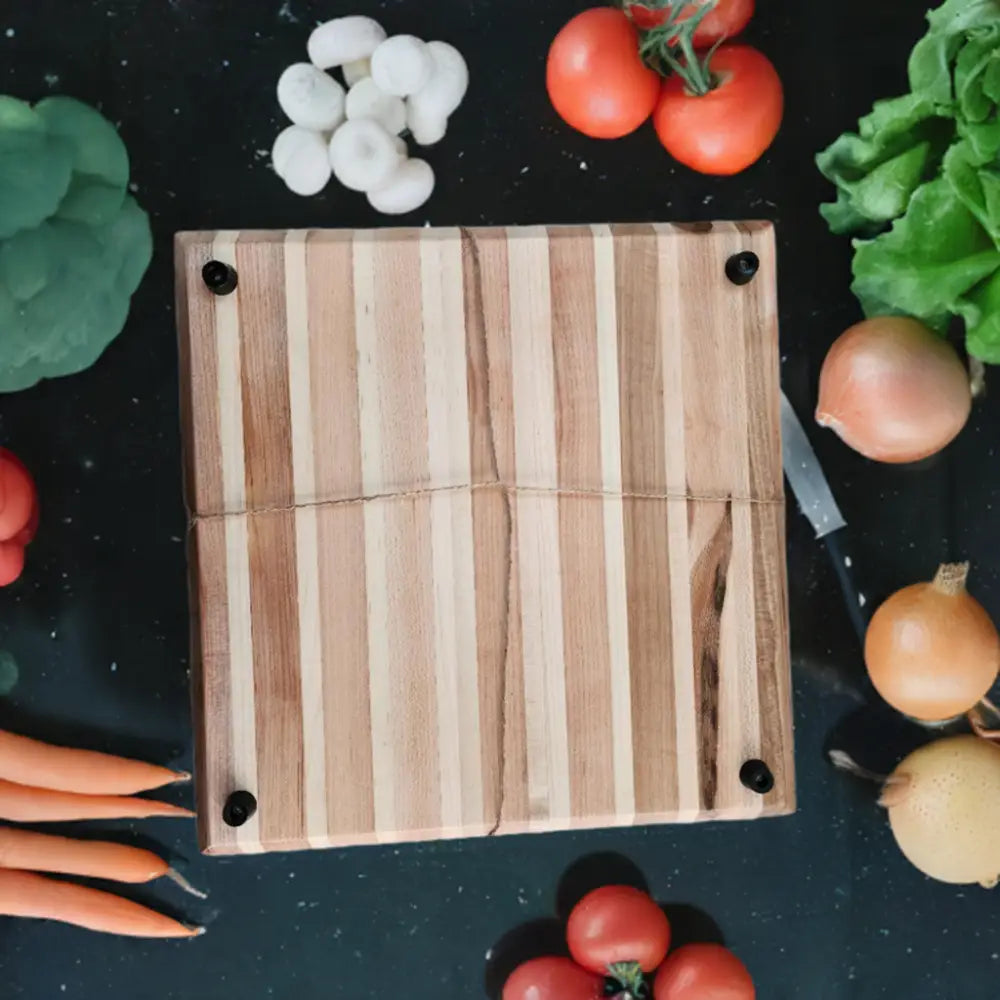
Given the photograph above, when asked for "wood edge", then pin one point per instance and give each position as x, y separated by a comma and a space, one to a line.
198, 708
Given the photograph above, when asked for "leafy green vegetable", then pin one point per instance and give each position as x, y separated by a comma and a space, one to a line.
920, 183
73, 244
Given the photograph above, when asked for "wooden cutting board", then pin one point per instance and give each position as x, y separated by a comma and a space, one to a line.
487, 531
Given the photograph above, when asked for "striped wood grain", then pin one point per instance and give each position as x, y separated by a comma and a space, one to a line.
605, 643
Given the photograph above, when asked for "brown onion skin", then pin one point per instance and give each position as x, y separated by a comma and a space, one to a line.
932, 655
893, 390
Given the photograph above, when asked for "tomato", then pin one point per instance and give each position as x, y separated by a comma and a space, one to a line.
725, 20
596, 81
11, 562
552, 979
18, 497
618, 925
730, 127
703, 972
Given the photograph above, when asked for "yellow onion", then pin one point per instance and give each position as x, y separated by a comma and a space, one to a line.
931, 649
893, 390
944, 809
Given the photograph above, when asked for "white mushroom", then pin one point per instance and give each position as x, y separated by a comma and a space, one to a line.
344, 40
446, 88
300, 159
407, 189
310, 97
401, 65
427, 127
355, 71
365, 100
363, 155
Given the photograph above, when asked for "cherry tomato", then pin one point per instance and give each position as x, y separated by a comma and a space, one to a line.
725, 20
553, 979
730, 127
11, 562
596, 81
18, 498
617, 924
703, 972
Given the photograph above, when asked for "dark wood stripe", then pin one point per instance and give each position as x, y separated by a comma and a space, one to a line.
646, 537
709, 583
271, 544
340, 532
498, 601
207, 592
587, 656
199, 369
762, 369
773, 668
267, 419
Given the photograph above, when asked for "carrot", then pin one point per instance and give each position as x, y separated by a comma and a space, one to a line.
23, 804
31, 762
24, 894
42, 852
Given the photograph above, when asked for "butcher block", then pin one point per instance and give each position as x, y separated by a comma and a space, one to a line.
486, 530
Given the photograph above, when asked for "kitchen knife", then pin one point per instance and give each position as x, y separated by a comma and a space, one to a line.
812, 491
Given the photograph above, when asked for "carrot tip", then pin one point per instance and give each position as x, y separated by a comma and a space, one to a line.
180, 776
195, 931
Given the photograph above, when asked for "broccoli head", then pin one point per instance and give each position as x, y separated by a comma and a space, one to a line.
74, 244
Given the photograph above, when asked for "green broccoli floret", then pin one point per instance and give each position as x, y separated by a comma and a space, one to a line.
73, 244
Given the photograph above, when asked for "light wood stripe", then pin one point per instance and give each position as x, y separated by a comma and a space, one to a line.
237, 561
538, 528
376, 585
614, 523
452, 541
309, 608
675, 465
409, 561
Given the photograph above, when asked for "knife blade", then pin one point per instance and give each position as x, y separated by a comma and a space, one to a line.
815, 498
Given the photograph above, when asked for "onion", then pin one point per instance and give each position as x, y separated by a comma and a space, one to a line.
893, 390
931, 650
944, 810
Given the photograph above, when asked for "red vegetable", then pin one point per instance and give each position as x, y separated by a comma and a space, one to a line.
703, 972
596, 80
620, 932
553, 979
17, 495
722, 117
724, 21
11, 562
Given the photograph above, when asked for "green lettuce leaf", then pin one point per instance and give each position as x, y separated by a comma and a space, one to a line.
931, 258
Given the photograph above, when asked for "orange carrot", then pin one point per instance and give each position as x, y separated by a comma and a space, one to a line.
42, 852
23, 804
30, 762
24, 894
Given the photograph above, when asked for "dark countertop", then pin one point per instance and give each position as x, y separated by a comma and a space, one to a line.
821, 905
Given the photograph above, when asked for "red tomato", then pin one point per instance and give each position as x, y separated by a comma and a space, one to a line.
703, 972
553, 979
597, 83
11, 562
725, 20
730, 127
18, 498
617, 924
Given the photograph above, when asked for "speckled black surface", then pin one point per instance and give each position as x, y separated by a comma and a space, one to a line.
821, 905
